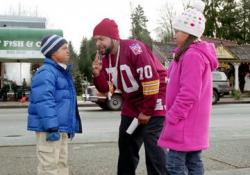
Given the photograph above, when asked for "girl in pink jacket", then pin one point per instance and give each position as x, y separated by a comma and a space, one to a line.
189, 95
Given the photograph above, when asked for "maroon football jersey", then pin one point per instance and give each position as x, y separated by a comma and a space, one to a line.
139, 75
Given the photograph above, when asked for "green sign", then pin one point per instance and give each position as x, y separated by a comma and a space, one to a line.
23, 43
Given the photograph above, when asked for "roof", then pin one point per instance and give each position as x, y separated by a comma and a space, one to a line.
164, 50
14, 18
242, 52
218, 41
22, 21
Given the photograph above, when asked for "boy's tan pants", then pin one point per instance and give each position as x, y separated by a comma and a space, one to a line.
52, 156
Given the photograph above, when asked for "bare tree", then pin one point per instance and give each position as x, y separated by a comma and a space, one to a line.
185, 3
165, 29
21, 10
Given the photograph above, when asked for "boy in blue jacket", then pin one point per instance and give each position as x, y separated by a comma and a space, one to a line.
53, 110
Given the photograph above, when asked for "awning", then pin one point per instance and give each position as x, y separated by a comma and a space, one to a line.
23, 44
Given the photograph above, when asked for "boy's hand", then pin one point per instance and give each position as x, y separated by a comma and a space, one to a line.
143, 119
96, 66
53, 136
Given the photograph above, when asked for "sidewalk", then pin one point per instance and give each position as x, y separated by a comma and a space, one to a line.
88, 159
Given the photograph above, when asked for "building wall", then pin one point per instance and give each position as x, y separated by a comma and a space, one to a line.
18, 71
22, 21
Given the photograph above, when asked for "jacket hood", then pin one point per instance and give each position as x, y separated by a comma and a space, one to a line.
209, 51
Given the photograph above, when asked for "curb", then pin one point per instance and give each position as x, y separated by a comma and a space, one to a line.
94, 105
26, 106
232, 102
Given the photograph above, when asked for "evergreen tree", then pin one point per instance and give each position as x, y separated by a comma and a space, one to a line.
228, 19
245, 20
87, 54
139, 28
74, 59
229, 23
211, 13
78, 80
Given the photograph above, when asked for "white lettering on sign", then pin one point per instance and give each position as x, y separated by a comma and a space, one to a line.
29, 44
19, 44
13, 43
38, 44
20, 54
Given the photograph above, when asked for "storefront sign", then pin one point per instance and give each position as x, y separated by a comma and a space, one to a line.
24, 43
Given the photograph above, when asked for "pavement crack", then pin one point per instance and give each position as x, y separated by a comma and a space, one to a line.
225, 163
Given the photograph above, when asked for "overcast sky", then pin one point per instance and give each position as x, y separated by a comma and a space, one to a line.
77, 18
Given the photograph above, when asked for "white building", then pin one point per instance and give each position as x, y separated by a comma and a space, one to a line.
20, 47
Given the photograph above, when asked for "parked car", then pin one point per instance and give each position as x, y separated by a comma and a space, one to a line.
221, 86
114, 103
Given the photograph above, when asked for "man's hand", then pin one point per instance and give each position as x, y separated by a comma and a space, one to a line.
96, 66
143, 119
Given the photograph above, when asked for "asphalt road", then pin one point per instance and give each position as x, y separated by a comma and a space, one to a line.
95, 151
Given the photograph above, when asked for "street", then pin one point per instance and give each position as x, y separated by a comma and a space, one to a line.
95, 151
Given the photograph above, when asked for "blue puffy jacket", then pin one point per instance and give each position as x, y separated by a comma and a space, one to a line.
53, 102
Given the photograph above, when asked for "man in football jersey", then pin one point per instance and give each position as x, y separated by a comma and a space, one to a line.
131, 67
